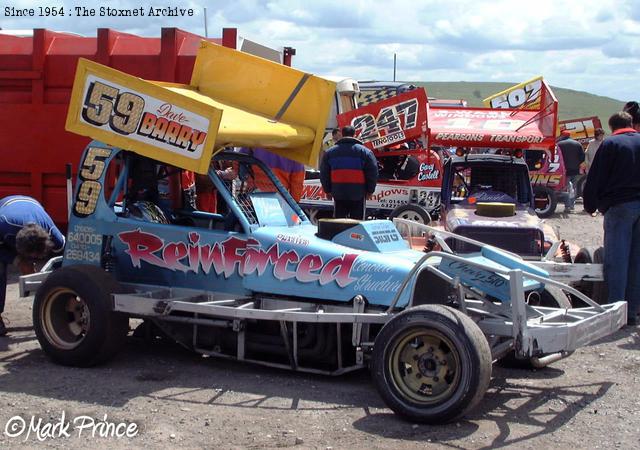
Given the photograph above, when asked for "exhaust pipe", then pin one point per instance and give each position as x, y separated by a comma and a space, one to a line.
544, 361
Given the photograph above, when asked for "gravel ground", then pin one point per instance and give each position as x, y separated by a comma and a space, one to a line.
178, 399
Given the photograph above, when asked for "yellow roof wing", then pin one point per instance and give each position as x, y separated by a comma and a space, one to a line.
525, 95
234, 99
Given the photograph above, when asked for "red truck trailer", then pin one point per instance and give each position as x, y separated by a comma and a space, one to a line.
36, 76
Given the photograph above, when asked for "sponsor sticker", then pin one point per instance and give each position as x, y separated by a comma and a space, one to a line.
235, 257
110, 106
388, 139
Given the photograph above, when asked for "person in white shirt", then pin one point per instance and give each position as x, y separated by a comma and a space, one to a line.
593, 147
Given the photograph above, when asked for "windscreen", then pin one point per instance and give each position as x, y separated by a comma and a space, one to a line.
489, 183
254, 191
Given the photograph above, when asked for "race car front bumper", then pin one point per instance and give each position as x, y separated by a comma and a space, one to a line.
560, 330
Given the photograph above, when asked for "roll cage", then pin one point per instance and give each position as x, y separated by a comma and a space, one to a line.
252, 183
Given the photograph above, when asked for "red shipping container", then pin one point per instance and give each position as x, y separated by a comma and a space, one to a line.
36, 76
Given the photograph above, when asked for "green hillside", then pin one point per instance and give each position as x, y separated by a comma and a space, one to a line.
573, 104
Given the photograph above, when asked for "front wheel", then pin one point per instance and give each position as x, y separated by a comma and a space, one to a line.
596, 290
431, 364
73, 318
550, 297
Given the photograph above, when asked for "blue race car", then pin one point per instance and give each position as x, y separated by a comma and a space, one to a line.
258, 282
254, 280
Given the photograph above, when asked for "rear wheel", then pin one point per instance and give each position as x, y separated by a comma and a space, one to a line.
73, 318
431, 364
414, 213
546, 197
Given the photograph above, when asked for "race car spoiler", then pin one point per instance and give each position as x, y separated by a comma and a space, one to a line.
233, 99
408, 116
494, 128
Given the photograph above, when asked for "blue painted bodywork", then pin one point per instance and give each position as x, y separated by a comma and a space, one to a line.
279, 255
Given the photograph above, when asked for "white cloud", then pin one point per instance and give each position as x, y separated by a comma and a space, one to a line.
588, 45
493, 59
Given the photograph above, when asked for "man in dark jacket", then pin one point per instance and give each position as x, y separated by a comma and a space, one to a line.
613, 187
573, 156
349, 173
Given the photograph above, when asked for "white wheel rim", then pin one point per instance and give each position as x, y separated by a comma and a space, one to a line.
412, 215
65, 318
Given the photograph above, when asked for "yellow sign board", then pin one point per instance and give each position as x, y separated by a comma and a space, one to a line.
234, 99
526, 95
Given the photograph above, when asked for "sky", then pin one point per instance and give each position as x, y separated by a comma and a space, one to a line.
586, 45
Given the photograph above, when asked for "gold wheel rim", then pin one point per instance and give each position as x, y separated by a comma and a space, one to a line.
65, 318
425, 366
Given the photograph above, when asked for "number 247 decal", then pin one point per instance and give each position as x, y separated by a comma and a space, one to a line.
369, 127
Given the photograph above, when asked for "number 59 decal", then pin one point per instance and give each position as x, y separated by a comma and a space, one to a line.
89, 190
105, 104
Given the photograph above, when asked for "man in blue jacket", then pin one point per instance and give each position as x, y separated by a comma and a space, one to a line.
613, 187
349, 173
27, 233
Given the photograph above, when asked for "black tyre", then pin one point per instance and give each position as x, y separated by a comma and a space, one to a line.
73, 317
414, 213
431, 364
547, 196
596, 290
